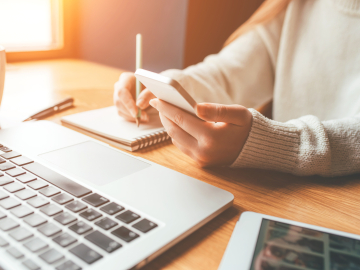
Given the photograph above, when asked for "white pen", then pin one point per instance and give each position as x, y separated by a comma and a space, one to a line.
138, 65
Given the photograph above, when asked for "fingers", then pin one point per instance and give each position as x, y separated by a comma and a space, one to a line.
234, 114
123, 97
190, 124
124, 91
143, 118
143, 99
128, 102
177, 134
126, 81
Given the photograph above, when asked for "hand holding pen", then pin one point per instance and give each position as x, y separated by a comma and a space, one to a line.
126, 89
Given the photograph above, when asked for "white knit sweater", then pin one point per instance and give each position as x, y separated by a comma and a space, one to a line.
307, 60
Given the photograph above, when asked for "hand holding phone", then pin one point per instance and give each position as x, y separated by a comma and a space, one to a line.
167, 89
211, 134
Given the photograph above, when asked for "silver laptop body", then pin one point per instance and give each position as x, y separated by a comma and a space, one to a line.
91, 206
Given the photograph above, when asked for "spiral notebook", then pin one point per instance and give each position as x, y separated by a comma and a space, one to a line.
106, 125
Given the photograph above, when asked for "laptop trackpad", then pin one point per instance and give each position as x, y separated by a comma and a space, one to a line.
94, 162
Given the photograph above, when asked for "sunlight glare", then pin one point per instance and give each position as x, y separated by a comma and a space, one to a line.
25, 23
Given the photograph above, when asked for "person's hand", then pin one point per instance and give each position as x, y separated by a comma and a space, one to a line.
124, 98
216, 141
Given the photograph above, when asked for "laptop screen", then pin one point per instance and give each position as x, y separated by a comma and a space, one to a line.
282, 246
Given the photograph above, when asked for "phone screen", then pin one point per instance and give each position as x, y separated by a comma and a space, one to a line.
282, 246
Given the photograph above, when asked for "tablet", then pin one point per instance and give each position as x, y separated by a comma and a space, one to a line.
167, 89
261, 242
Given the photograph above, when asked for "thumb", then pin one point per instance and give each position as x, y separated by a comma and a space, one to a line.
232, 114
143, 99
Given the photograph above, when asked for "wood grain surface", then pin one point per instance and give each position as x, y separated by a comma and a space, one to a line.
330, 202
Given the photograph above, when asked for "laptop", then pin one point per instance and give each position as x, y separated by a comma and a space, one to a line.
68, 201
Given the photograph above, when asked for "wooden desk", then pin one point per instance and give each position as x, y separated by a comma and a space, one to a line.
332, 203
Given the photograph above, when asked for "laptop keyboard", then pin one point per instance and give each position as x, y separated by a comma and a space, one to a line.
37, 203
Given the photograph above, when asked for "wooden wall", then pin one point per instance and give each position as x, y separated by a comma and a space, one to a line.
210, 23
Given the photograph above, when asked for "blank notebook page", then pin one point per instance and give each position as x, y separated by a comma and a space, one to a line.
107, 123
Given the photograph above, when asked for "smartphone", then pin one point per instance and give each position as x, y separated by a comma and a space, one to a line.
261, 242
167, 89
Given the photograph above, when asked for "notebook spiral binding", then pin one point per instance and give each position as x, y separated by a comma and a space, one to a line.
151, 139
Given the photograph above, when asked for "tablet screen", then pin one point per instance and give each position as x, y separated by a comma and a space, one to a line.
283, 246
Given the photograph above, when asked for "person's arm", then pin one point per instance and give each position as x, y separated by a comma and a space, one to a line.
241, 73
235, 136
303, 146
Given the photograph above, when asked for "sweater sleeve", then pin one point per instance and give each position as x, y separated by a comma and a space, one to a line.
304, 146
241, 73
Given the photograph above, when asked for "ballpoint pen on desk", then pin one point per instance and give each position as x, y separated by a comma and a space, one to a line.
138, 65
60, 106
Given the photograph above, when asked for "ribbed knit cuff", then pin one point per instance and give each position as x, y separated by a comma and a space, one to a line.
271, 145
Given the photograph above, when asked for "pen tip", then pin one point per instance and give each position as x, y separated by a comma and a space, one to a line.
137, 122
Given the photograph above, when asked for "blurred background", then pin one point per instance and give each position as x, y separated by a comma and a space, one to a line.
176, 33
